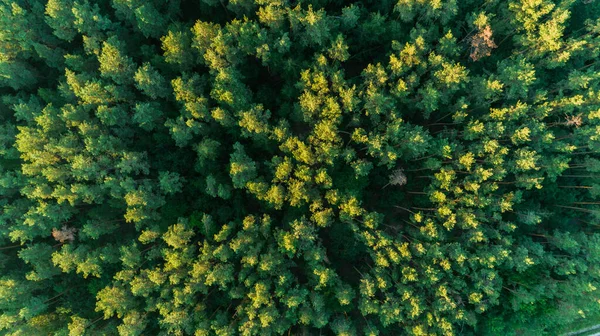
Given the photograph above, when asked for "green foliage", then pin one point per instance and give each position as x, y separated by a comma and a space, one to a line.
266, 167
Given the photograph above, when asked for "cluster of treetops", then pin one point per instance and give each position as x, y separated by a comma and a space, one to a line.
299, 167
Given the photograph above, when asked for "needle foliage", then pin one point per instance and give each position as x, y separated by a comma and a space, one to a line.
298, 167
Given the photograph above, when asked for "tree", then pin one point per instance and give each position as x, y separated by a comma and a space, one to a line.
259, 167
242, 168
114, 64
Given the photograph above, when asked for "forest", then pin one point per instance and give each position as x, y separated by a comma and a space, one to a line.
299, 167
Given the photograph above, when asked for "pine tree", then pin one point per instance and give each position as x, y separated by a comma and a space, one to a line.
268, 168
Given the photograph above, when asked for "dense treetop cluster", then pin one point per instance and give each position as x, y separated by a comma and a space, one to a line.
298, 167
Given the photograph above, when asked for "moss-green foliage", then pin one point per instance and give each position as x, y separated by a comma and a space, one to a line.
313, 167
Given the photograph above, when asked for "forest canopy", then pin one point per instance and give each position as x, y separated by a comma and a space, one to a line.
299, 167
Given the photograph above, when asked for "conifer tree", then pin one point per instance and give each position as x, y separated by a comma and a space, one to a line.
265, 167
